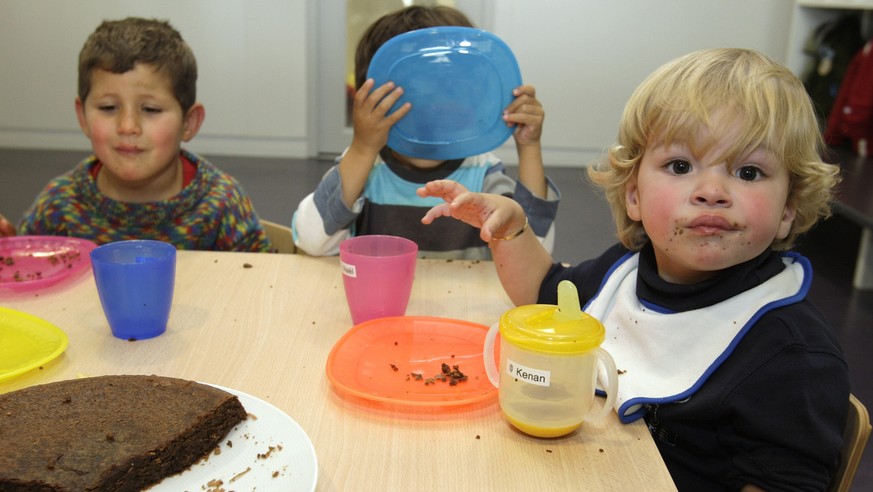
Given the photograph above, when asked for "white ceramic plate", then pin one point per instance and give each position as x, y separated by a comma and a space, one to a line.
269, 451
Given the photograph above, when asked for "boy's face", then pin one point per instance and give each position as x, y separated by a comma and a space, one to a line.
136, 126
702, 215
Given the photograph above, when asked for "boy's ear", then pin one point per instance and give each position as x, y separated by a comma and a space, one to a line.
193, 120
80, 116
632, 200
788, 214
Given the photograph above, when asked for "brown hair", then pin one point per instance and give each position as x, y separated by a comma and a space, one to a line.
685, 96
399, 22
116, 46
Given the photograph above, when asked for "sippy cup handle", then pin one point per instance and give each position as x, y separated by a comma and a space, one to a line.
611, 388
488, 355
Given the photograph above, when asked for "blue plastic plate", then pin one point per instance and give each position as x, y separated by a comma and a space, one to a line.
459, 80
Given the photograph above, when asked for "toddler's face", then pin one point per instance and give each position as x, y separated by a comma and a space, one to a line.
703, 215
135, 125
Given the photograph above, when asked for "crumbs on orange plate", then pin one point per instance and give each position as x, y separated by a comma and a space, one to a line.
448, 374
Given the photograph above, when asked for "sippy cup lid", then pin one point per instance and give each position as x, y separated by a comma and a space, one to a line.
561, 329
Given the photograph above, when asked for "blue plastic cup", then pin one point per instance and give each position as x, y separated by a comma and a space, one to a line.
135, 282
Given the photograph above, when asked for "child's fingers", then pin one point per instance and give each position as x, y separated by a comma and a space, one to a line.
446, 189
382, 97
524, 119
387, 95
441, 210
525, 90
525, 94
399, 113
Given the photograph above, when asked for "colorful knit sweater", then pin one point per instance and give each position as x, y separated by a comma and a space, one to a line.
210, 213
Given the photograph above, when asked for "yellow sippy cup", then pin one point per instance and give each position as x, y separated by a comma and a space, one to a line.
548, 365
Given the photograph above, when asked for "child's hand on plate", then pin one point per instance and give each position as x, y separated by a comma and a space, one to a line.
527, 114
370, 119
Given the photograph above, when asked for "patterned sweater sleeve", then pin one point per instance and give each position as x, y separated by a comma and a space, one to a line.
51, 210
240, 228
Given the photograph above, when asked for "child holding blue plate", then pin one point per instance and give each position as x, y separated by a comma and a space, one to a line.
371, 189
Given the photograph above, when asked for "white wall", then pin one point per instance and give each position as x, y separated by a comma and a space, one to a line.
584, 56
251, 57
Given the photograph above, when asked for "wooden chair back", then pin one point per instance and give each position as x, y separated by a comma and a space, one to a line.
855, 436
280, 236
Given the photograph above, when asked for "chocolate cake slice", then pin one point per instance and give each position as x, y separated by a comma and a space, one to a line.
110, 432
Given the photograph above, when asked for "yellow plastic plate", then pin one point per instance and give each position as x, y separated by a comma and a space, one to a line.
27, 342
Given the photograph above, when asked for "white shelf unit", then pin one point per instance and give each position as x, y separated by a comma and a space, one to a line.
809, 14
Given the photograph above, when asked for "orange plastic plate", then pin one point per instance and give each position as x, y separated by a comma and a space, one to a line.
380, 360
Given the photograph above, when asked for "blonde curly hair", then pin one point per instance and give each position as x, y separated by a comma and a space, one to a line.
693, 93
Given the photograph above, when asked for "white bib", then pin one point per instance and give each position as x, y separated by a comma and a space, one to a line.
666, 357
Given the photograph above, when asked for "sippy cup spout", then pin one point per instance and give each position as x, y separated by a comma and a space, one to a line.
568, 302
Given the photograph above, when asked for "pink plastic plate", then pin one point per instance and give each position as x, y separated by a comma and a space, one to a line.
399, 360
35, 262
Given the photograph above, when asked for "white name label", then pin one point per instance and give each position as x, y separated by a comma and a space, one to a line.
348, 269
530, 375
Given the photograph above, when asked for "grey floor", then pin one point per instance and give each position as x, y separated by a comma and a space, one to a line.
584, 229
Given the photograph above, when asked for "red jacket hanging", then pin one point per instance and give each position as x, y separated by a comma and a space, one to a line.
851, 119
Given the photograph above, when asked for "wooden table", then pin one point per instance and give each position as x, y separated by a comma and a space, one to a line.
264, 324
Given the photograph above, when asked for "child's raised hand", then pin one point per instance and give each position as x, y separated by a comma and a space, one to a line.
369, 114
494, 215
6, 227
527, 114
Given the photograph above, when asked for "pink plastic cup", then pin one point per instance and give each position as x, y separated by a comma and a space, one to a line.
377, 274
